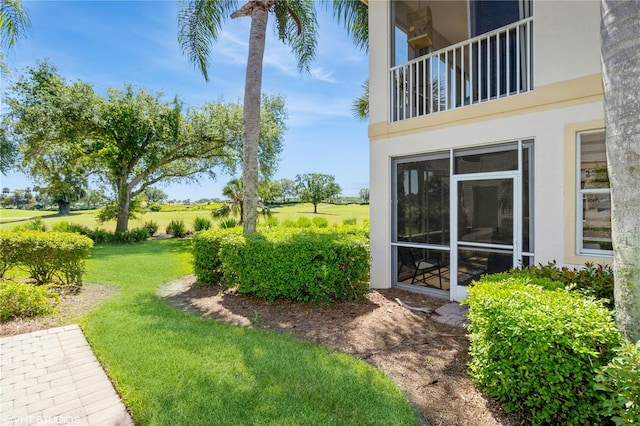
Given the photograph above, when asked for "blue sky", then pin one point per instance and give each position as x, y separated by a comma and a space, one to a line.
110, 43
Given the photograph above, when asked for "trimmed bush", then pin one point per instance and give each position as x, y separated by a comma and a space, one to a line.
206, 262
592, 280
48, 255
177, 228
538, 350
620, 379
20, 300
201, 224
8, 251
297, 264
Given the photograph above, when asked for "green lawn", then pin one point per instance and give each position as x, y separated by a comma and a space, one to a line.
172, 368
334, 214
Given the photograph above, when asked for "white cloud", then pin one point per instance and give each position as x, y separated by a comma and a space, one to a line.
319, 73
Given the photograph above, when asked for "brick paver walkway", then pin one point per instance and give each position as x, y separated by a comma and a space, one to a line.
452, 314
52, 377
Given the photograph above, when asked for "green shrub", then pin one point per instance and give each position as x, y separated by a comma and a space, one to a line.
596, 281
33, 225
177, 228
205, 247
289, 223
101, 236
71, 227
8, 251
20, 300
134, 235
151, 226
271, 222
228, 223
297, 264
320, 222
350, 221
49, 255
201, 224
155, 207
620, 380
537, 350
303, 222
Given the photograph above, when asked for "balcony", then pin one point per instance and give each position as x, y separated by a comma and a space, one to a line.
493, 65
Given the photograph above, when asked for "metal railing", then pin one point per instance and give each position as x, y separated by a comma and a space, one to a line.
494, 65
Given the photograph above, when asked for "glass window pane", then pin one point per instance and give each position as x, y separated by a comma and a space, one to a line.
593, 161
486, 162
423, 267
485, 211
422, 202
527, 198
596, 223
472, 264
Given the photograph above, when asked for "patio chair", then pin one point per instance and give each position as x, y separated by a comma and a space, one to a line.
428, 267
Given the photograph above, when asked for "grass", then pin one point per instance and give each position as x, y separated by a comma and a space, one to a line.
174, 368
334, 214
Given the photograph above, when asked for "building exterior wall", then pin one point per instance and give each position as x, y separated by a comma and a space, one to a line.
568, 97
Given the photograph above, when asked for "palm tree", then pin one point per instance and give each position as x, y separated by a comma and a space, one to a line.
620, 35
234, 191
200, 22
14, 24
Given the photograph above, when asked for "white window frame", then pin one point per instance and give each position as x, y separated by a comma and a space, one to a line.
580, 193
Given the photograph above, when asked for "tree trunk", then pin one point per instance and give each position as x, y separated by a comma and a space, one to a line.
251, 131
124, 203
620, 34
64, 209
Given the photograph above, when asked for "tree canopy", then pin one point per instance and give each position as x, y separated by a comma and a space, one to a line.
316, 188
131, 139
52, 124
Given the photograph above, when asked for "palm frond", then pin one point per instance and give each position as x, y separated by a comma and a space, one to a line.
200, 23
360, 106
14, 22
298, 28
354, 15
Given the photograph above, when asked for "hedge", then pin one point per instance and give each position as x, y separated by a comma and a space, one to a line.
299, 264
19, 300
538, 350
47, 255
620, 381
205, 247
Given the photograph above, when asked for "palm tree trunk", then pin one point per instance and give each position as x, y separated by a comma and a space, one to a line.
620, 34
252, 95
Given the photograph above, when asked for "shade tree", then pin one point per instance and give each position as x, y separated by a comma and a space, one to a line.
316, 187
129, 140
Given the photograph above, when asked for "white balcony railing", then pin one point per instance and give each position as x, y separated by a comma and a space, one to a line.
494, 65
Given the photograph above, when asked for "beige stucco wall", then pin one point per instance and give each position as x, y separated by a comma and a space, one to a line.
567, 98
552, 130
567, 40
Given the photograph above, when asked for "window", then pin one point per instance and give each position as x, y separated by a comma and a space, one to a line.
593, 225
